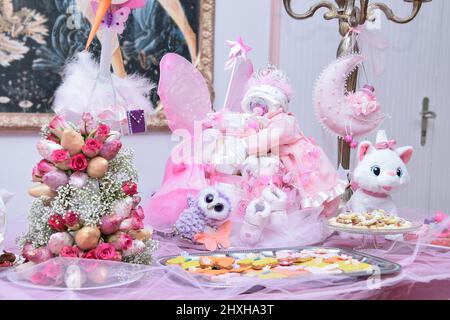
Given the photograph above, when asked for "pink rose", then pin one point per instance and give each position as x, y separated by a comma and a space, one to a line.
129, 188
92, 147
56, 222
78, 162
70, 252
71, 218
58, 125
36, 175
102, 132
36, 255
136, 200
45, 166
110, 149
136, 223
46, 148
110, 224
59, 156
133, 223
125, 241
105, 251
138, 212
87, 123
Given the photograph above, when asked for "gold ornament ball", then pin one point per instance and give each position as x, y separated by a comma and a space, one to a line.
41, 189
97, 167
98, 275
87, 238
72, 141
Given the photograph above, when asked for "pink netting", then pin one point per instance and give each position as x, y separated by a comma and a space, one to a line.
425, 275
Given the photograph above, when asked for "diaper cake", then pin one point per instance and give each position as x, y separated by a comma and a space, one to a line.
251, 156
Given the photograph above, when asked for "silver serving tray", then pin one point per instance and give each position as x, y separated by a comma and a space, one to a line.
385, 267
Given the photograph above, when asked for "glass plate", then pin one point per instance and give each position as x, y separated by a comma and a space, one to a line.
414, 226
383, 266
12, 276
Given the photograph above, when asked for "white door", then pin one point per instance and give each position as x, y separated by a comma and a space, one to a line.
416, 65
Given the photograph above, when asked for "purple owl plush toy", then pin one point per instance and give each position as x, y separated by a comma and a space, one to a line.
208, 211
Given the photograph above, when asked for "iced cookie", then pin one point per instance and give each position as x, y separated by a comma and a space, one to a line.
190, 263
354, 266
245, 262
207, 262
224, 263
333, 260
285, 262
240, 269
301, 258
261, 263
177, 260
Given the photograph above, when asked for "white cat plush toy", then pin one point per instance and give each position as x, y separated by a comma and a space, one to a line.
380, 171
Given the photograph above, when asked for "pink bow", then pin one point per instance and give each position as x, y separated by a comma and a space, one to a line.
390, 144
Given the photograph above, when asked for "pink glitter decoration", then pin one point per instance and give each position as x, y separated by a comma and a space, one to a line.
339, 111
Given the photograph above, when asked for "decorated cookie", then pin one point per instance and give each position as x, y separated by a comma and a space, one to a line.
333, 259
354, 266
190, 263
207, 262
177, 260
224, 263
285, 262
261, 263
245, 262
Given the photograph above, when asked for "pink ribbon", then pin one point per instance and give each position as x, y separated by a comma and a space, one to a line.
390, 144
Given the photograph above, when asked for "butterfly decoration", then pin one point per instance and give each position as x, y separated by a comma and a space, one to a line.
216, 240
114, 19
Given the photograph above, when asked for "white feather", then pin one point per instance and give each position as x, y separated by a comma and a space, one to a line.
83, 91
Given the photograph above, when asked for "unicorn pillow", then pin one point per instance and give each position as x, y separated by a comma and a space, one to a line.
381, 170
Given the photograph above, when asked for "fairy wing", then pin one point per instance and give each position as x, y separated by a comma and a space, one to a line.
183, 92
238, 84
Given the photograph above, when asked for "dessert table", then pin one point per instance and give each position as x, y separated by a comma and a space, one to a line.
425, 274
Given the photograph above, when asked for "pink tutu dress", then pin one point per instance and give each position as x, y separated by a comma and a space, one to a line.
313, 175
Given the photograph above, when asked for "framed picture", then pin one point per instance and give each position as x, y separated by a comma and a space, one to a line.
38, 37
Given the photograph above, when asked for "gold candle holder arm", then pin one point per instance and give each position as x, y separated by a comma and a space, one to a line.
332, 13
390, 15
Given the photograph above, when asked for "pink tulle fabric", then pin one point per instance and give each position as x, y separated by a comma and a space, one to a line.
180, 180
315, 177
425, 275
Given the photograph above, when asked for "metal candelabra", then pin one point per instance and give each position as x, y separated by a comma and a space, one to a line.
349, 16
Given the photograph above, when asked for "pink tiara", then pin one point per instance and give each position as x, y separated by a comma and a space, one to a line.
272, 76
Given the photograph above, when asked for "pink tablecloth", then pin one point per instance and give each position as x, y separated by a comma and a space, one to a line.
425, 275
